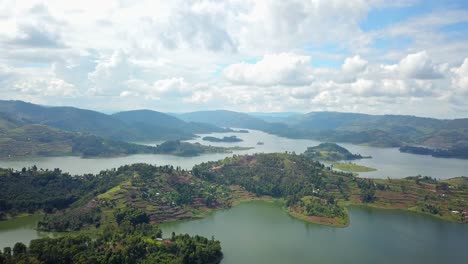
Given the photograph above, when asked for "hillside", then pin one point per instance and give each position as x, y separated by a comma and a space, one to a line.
157, 125
379, 130
331, 152
223, 118
125, 126
44, 141
41, 140
69, 119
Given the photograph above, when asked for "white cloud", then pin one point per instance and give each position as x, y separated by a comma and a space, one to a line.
460, 78
46, 87
193, 54
418, 66
272, 69
110, 74
354, 64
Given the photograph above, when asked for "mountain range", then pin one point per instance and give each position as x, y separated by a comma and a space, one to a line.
19, 120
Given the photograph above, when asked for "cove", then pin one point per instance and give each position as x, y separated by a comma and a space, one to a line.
262, 232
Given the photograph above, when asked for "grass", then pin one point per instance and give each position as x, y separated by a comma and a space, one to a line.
110, 193
352, 167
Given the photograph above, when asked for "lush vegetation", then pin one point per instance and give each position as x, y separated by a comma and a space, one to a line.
125, 126
351, 167
314, 192
459, 151
125, 243
157, 194
40, 140
179, 148
224, 139
156, 125
30, 189
331, 152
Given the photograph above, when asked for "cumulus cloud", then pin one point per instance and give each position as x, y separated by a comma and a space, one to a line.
354, 64
188, 54
46, 87
111, 74
272, 69
460, 78
418, 66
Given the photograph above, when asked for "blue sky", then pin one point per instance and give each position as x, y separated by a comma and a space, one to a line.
369, 56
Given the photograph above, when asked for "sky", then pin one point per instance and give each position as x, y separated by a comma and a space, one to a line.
366, 56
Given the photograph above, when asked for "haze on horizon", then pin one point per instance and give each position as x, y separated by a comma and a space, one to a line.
367, 56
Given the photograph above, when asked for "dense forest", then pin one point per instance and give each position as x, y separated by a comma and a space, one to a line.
459, 151
131, 241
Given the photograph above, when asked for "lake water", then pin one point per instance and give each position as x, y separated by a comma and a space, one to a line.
389, 162
21, 229
261, 232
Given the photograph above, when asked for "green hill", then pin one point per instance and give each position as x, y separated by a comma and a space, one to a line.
152, 124
378, 130
331, 152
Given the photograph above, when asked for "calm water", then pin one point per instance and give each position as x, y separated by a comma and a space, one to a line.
21, 229
389, 162
261, 232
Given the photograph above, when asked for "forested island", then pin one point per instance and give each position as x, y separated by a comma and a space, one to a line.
180, 148
230, 139
331, 152
335, 154
460, 151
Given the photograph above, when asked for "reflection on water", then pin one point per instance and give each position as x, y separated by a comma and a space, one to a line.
261, 232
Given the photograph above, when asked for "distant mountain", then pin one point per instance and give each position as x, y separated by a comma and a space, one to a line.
153, 124
69, 119
124, 126
225, 118
378, 130
275, 117
41, 140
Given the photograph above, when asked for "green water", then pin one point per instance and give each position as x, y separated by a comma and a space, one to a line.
21, 229
261, 232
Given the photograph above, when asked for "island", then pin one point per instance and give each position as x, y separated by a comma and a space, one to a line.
230, 139
333, 154
244, 131
186, 149
460, 151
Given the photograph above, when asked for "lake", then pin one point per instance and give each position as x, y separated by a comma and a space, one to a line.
389, 162
21, 229
262, 232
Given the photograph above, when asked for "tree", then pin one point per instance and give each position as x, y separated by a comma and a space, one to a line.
19, 249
